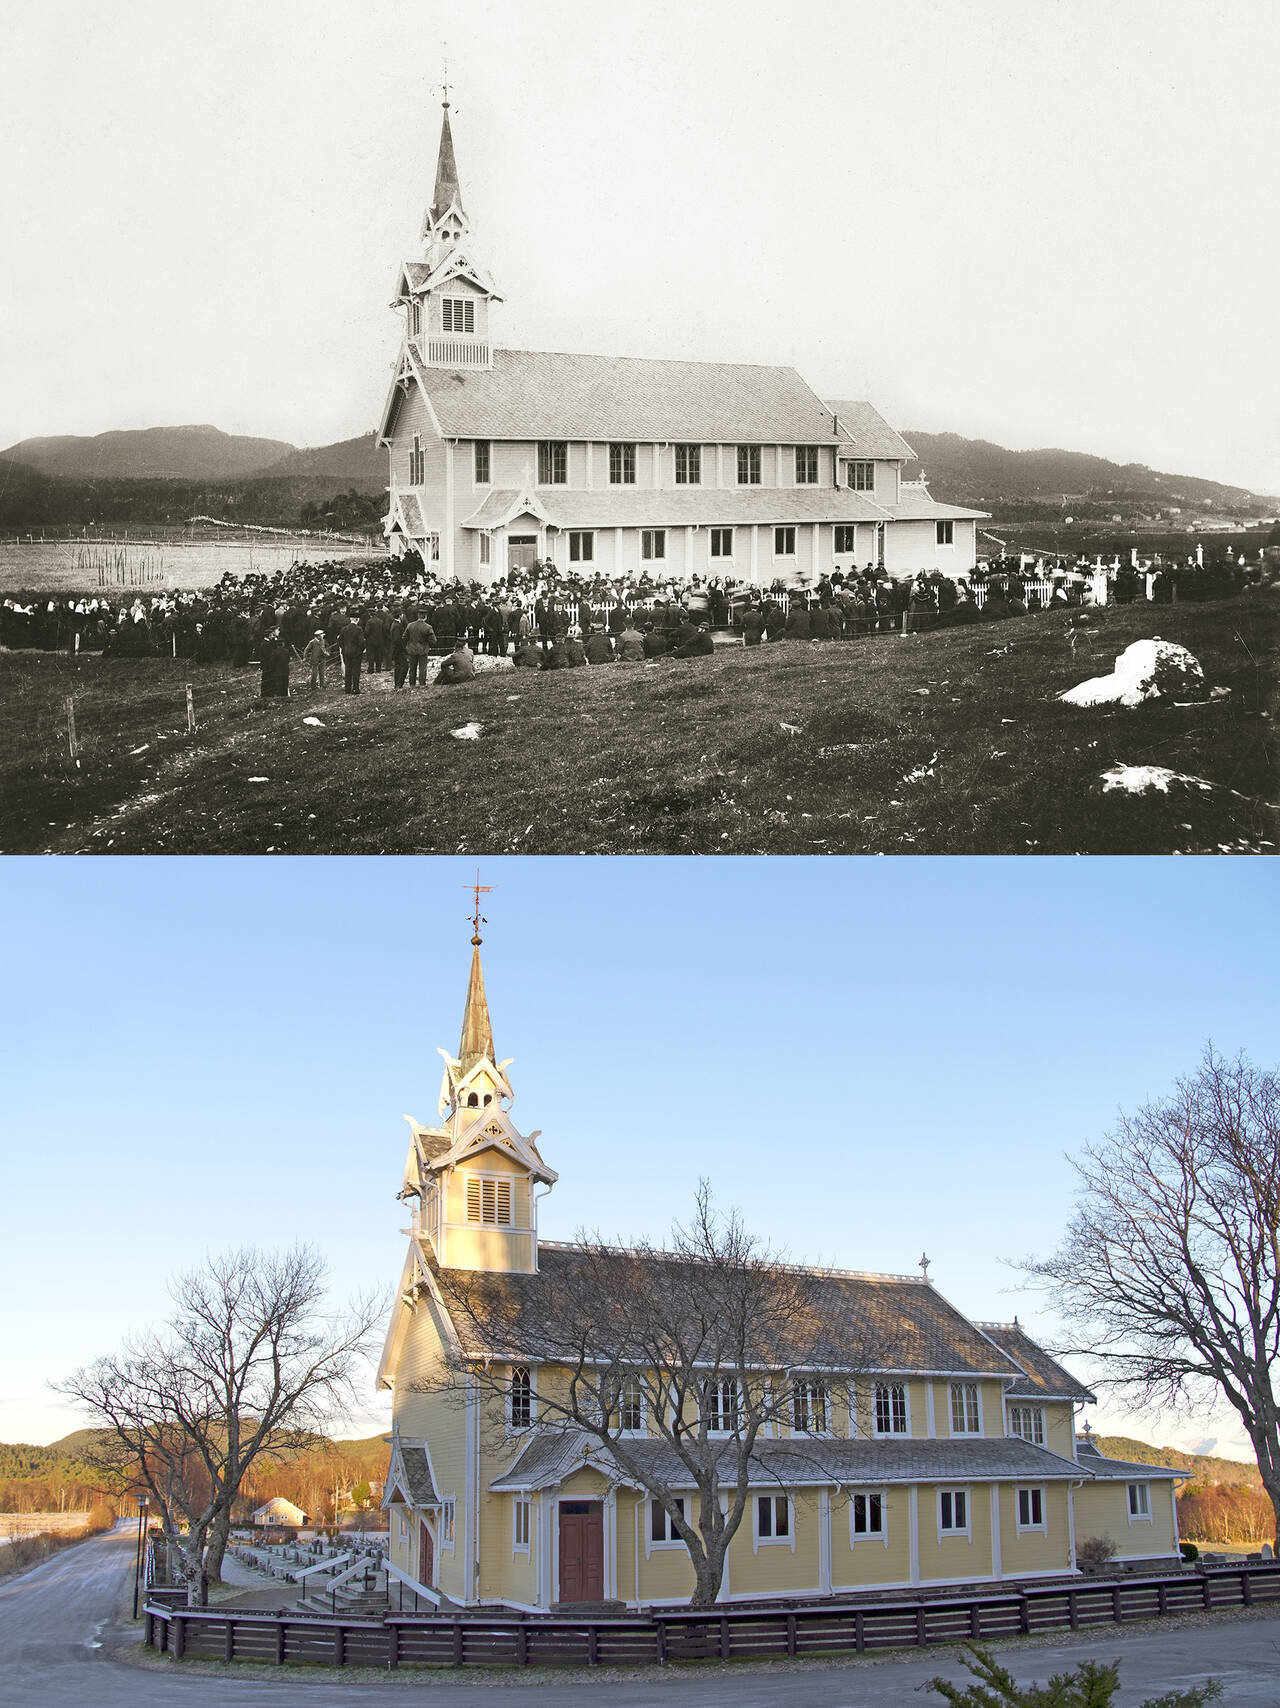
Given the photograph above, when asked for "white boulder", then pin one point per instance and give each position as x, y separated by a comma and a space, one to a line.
1147, 670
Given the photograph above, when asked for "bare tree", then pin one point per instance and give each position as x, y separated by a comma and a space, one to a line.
1169, 1274
710, 1341
248, 1366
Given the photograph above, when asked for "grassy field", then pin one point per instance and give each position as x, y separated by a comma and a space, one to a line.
945, 743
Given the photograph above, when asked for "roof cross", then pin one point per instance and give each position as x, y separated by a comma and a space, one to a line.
477, 918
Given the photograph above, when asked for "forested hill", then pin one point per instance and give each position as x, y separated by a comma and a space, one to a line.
1202, 1466
974, 471
150, 453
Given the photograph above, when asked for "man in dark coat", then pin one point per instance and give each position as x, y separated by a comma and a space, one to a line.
398, 650
275, 665
798, 622
598, 648
419, 638
459, 666
752, 625
528, 657
351, 646
375, 640
655, 641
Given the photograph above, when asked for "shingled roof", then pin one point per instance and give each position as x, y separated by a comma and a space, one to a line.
867, 432
551, 1456
899, 1322
1042, 1377
537, 394
712, 507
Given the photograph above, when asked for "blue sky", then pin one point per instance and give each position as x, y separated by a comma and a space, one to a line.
871, 1058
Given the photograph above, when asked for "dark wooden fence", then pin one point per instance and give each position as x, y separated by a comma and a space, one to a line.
682, 1634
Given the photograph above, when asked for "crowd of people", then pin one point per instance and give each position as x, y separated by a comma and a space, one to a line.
373, 616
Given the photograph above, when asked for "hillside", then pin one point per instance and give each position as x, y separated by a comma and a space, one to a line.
975, 471
1203, 1466
150, 453
350, 462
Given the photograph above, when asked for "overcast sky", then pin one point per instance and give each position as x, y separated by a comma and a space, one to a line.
1044, 223
872, 1058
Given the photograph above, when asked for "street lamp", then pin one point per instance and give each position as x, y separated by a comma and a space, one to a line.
144, 1502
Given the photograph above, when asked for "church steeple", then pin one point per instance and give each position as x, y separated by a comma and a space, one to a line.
477, 1033
473, 1177
445, 219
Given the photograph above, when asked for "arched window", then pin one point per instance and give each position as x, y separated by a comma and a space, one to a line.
473, 1101
521, 1398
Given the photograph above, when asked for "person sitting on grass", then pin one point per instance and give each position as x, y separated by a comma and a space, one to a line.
574, 651
598, 648
698, 645
459, 666
752, 624
655, 642
528, 654
630, 644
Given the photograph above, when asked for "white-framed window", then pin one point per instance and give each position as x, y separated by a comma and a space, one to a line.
630, 1406
890, 1408
866, 1516
448, 1517
773, 1519
966, 1417
520, 1398
582, 547
489, 1200
1027, 1422
483, 462
806, 465
415, 316
861, 476
1139, 1501
688, 465
953, 1512
622, 465
417, 462
846, 538
946, 532
553, 462
662, 1530
784, 542
722, 542
458, 314
486, 551
653, 542
810, 1407
433, 540
1031, 1509
720, 1405
748, 465
520, 1525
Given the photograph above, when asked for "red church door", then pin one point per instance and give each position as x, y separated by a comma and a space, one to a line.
581, 1550
426, 1557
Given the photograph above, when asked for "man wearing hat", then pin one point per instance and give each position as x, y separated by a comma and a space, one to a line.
316, 654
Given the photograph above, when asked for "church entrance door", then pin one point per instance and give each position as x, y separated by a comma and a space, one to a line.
522, 551
581, 1550
426, 1557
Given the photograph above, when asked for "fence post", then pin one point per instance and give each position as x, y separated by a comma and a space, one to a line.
593, 1644
791, 1633
72, 743
1246, 1586
522, 1645
1206, 1594
661, 1634
1117, 1612
457, 1642
1024, 1613
975, 1621
191, 710
229, 1640
725, 1639
279, 1642
921, 1638
179, 1636
859, 1631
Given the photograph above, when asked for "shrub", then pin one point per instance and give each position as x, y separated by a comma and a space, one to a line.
1091, 1685
1189, 1550
1095, 1551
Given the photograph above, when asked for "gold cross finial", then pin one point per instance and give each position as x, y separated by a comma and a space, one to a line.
477, 918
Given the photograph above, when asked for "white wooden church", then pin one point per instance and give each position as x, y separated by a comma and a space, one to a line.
619, 465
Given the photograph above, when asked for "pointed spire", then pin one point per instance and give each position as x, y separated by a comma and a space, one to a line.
477, 1033
448, 192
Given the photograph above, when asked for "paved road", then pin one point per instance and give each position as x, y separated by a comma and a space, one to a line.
62, 1628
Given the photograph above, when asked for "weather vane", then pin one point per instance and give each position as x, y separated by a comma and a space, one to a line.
477, 918
445, 85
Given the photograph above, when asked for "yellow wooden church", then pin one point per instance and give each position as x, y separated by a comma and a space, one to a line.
957, 1462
